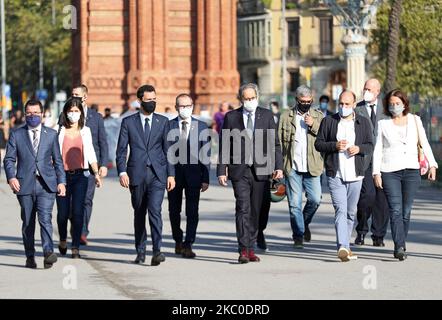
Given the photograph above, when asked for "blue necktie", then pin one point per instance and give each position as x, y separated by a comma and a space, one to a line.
146, 138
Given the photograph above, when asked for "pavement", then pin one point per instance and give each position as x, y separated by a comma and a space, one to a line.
107, 271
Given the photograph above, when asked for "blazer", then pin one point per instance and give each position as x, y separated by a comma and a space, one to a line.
287, 132
326, 143
236, 163
195, 170
391, 154
21, 162
132, 135
88, 147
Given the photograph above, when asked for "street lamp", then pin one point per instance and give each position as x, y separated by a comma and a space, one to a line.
356, 17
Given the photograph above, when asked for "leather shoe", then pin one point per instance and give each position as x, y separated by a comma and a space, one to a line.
63, 247
30, 263
378, 242
307, 234
299, 244
243, 256
141, 257
75, 253
261, 241
253, 257
360, 239
49, 260
188, 253
157, 259
179, 248
400, 254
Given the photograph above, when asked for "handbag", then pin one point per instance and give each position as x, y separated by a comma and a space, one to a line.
424, 164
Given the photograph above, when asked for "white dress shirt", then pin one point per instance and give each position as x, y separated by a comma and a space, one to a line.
396, 146
180, 124
143, 119
367, 106
245, 116
31, 133
347, 167
300, 144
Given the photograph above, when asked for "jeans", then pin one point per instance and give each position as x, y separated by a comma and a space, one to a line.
88, 203
295, 183
400, 189
73, 203
345, 197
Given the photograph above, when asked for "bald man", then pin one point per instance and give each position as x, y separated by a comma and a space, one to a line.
372, 202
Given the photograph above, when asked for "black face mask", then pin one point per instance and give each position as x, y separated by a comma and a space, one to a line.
149, 106
304, 107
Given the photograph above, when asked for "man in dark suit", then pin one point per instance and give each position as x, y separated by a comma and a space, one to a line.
372, 201
94, 121
36, 180
249, 153
192, 158
147, 172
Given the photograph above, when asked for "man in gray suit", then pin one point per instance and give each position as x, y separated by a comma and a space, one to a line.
372, 201
38, 177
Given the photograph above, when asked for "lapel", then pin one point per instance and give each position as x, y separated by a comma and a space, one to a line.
139, 127
27, 138
194, 130
174, 125
379, 111
43, 138
292, 116
154, 129
240, 119
258, 119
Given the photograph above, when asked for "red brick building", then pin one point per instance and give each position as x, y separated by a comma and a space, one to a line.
176, 45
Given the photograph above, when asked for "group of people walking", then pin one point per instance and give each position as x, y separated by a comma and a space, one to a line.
368, 150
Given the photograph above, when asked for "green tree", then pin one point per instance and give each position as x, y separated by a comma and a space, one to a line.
28, 27
419, 58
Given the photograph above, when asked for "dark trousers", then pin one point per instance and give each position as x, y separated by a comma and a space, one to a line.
400, 189
39, 203
265, 208
192, 206
372, 203
249, 195
147, 197
88, 203
72, 206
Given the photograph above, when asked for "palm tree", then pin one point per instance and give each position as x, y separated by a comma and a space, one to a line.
393, 44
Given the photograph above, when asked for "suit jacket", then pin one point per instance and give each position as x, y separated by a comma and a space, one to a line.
48, 160
362, 110
236, 162
94, 121
195, 169
132, 135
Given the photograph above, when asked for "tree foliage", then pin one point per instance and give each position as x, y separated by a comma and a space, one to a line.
419, 58
28, 27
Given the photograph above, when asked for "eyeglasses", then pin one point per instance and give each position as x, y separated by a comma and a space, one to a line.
185, 106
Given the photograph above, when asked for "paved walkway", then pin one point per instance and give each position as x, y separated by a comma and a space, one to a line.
107, 271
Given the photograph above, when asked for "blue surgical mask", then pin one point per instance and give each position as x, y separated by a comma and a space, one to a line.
323, 106
345, 112
33, 121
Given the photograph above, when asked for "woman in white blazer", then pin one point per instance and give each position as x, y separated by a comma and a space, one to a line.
396, 164
78, 154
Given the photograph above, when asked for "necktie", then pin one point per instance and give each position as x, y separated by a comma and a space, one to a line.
183, 131
249, 125
373, 115
35, 141
146, 138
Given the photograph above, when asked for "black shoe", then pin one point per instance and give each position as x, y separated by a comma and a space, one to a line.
261, 241
141, 257
360, 239
378, 242
49, 260
188, 253
299, 243
400, 254
157, 259
307, 234
75, 253
179, 248
30, 263
63, 247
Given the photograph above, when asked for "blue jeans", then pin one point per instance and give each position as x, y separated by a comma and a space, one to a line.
73, 202
400, 188
345, 197
295, 183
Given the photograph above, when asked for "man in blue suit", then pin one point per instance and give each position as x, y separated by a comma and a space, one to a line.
39, 175
192, 161
94, 121
147, 172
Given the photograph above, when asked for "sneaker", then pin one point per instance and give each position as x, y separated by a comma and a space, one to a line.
400, 254
343, 254
252, 256
352, 256
243, 256
83, 240
299, 244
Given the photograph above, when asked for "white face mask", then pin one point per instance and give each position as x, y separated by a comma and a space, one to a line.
251, 105
185, 113
345, 112
74, 117
396, 109
368, 96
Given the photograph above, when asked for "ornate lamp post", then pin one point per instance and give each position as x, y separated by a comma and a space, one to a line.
356, 17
